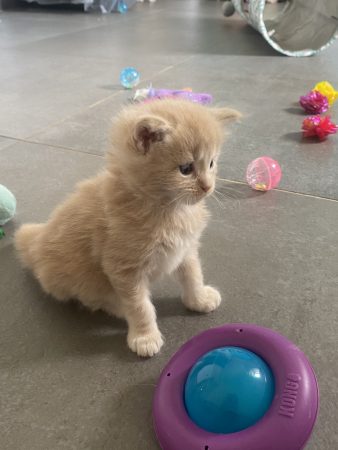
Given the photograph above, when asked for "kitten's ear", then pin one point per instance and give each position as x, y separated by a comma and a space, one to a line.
150, 130
226, 114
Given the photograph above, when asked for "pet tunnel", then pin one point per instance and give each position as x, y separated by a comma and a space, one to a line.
292, 27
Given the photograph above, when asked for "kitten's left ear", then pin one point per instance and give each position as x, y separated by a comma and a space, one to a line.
226, 114
150, 130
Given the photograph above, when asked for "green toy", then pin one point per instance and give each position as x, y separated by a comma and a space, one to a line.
7, 205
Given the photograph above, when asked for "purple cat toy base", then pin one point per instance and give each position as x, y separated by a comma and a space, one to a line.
286, 426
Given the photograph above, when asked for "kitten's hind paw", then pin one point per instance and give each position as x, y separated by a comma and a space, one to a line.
207, 300
145, 345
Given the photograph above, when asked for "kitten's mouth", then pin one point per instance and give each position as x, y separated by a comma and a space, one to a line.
192, 197
199, 196
205, 194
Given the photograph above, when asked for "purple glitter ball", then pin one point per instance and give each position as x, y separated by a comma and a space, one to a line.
314, 102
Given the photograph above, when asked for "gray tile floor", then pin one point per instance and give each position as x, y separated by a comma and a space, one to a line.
67, 380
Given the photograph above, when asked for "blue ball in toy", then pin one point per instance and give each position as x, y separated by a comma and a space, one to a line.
129, 77
228, 389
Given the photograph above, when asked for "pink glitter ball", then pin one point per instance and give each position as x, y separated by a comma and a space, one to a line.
263, 174
314, 102
318, 126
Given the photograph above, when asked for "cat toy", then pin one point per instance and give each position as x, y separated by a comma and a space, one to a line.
319, 99
129, 77
186, 94
7, 207
122, 7
317, 126
313, 23
263, 174
236, 386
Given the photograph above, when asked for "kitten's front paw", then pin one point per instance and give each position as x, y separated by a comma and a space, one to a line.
145, 344
207, 300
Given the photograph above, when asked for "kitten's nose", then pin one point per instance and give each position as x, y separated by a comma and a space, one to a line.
205, 187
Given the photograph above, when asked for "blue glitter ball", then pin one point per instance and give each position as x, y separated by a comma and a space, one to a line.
129, 77
122, 7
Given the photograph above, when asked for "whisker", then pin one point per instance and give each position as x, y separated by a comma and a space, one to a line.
231, 188
177, 198
225, 198
220, 204
227, 195
235, 192
222, 196
230, 181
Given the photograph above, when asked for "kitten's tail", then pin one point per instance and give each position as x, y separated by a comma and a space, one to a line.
24, 239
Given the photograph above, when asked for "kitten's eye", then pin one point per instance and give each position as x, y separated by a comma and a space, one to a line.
211, 164
186, 169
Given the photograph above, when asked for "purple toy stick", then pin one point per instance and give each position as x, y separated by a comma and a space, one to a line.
195, 97
286, 426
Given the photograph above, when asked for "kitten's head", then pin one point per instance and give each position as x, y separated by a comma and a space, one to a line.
168, 149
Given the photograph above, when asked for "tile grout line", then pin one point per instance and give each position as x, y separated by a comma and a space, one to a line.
30, 138
146, 81
284, 191
59, 122
54, 146
307, 195
97, 25
103, 100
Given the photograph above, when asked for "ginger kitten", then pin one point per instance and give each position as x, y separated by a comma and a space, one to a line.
139, 219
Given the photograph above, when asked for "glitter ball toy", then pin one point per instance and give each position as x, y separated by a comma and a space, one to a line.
129, 77
314, 102
325, 88
317, 126
122, 7
263, 174
7, 205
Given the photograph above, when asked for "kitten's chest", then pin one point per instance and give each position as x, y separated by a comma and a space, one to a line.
168, 255
172, 243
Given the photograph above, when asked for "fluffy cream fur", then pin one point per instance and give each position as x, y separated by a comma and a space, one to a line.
135, 221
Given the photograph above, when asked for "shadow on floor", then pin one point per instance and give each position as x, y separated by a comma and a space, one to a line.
38, 326
296, 136
128, 420
212, 36
193, 35
296, 111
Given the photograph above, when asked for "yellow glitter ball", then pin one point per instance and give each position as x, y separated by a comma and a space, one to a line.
325, 88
